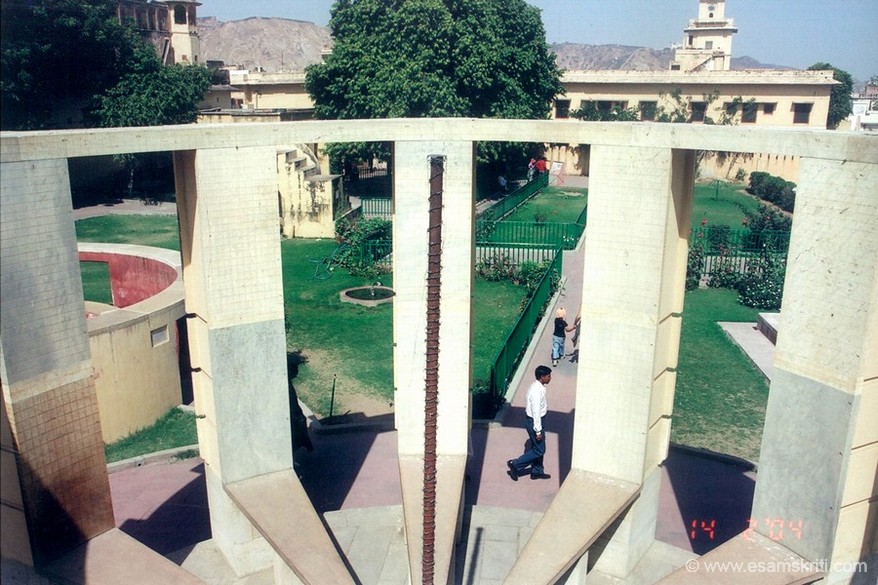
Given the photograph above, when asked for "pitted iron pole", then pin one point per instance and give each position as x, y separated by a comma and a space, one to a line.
431, 402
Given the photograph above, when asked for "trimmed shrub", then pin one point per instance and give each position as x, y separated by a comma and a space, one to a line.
497, 267
694, 267
773, 189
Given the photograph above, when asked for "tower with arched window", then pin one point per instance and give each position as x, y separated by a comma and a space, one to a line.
707, 45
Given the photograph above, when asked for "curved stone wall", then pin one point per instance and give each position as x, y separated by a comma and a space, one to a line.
135, 345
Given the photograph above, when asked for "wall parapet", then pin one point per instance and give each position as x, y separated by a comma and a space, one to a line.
805, 142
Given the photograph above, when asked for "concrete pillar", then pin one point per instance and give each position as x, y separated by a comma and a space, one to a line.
410, 239
817, 491
411, 193
227, 202
640, 202
51, 427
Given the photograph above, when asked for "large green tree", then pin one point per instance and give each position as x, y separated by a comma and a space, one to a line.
55, 55
840, 103
152, 94
70, 62
435, 58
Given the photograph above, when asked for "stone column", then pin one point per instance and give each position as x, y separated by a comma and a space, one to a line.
53, 435
640, 202
817, 489
227, 202
410, 221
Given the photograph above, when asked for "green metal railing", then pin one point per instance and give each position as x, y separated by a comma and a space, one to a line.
513, 254
507, 359
549, 234
505, 206
721, 239
734, 250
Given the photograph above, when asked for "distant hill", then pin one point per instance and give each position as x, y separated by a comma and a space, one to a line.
275, 44
281, 44
576, 57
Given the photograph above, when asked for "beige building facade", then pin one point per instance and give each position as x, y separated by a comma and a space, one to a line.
170, 25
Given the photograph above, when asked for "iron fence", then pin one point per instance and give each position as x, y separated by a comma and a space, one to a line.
548, 234
377, 207
722, 239
730, 250
506, 205
507, 359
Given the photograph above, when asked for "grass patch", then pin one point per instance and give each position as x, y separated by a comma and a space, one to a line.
96, 282
553, 204
349, 342
721, 206
160, 231
721, 396
352, 344
175, 429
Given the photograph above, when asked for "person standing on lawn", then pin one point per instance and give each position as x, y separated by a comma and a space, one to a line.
535, 409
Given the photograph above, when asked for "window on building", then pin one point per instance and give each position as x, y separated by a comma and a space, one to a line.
802, 113
159, 336
607, 106
768, 109
708, 44
562, 108
748, 113
691, 40
698, 111
180, 15
731, 108
647, 111
675, 66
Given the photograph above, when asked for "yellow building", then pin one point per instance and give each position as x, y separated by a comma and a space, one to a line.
699, 83
789, 98
170, 25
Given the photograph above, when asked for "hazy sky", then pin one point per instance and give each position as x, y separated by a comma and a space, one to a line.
795, 33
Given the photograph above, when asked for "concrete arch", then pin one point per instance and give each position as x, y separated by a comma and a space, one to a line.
641, 175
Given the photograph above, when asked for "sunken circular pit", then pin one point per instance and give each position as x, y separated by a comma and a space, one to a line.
367, 296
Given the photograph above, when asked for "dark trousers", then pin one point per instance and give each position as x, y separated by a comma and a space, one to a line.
533, 457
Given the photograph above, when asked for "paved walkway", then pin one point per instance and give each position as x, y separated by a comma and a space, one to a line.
353, 480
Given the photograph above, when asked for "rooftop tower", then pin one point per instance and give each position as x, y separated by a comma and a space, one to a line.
707, 45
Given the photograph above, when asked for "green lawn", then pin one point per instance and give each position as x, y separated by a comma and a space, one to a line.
721, 206
555, 204
349, 343
175, 429
160, 231
721, 396
353, 344
96, 282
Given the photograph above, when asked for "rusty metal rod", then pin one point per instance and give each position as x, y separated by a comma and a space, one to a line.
431, 402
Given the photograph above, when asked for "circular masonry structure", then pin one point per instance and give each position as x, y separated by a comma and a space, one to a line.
367, 296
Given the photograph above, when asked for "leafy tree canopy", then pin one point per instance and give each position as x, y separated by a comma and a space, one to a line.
840, 104
435, 58
152, 94
54, 52
59, 56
